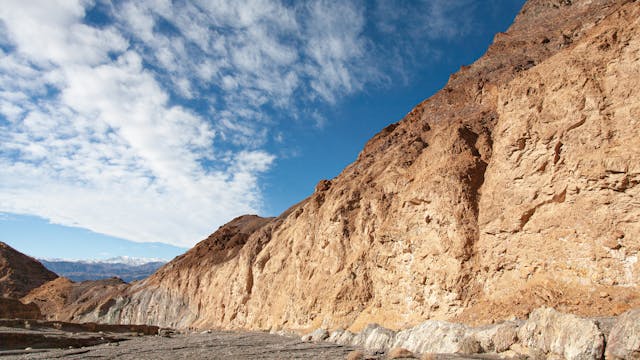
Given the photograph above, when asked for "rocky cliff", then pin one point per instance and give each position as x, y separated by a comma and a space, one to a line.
20, 273
515, 186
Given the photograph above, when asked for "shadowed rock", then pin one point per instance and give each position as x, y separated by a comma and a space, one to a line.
20, 273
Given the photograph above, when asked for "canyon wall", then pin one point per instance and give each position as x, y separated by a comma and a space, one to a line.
511, 188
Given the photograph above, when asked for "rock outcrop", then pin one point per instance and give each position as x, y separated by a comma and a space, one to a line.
546, 334
559, 212
31, 339
14, 309
65, 300
512, 188
624, 339
564, 335
20, 273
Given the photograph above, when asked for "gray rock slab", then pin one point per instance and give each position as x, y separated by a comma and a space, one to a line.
624, 339
565, 335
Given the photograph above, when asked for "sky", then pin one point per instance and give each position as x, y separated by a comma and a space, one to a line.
155, 122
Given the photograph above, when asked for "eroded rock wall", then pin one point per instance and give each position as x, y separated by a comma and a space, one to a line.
559, 211
513, 187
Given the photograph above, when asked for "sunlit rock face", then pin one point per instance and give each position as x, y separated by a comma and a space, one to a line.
513, 187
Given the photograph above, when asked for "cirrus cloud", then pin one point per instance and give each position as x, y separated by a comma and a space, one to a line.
148, 120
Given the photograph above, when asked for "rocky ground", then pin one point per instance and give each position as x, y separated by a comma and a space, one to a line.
546, 334
214, 345
44, 342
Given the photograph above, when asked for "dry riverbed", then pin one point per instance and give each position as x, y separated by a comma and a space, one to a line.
214, 345
43, 341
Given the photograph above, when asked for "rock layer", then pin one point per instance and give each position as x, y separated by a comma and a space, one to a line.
513, 187
14, 309
65, 300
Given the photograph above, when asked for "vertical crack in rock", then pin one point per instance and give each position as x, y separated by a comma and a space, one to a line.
474, 179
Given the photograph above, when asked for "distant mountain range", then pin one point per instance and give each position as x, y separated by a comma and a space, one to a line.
127, 268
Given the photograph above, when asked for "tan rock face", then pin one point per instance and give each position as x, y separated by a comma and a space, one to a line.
559, 207
64, 300
513, 187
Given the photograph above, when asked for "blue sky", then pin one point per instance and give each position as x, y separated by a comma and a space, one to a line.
157, 121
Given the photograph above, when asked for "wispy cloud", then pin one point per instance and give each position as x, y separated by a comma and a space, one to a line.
424, 19
148, 120
411, 27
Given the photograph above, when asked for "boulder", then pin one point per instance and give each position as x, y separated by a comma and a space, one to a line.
624, 338
505, 336
432, 337
470, 345
375, 337
316, 336
492, 338
564, 335
341, 337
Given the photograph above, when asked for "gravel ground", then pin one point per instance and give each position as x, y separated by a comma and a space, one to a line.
51, 343
214, 345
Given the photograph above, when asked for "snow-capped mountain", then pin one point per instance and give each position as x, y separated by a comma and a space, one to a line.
125, 267
128, 260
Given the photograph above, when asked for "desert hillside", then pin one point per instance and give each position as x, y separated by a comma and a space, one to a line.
20, 273
513, 187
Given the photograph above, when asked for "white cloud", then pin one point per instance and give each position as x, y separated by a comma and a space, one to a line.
410, 28
50, 32
108, 151
256, 53
424, 19
152, 125
335, 43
